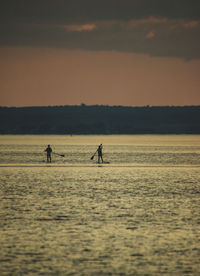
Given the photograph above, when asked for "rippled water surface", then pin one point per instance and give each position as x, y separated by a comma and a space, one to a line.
137, 215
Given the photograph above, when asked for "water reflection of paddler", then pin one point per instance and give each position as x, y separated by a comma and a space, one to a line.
100, 154
48, 151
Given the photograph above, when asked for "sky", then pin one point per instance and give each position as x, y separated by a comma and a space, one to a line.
106, 52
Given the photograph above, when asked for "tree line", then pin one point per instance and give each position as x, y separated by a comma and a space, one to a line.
100, 119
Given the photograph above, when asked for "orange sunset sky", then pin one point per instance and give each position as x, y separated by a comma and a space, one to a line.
107, 52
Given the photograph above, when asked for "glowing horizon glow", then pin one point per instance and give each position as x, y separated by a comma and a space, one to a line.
45, 76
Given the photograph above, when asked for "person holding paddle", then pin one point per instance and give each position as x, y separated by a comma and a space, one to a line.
100, 154
48, 151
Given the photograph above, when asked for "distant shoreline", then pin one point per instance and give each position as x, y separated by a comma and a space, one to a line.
100, 119
100, 105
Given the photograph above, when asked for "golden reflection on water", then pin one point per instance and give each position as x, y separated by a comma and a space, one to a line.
191, 140
100, 220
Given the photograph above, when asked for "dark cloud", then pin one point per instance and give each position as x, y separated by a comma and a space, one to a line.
89, 10
154, 27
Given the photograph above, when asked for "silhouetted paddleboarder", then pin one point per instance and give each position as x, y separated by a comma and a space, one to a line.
48, 151
100, 154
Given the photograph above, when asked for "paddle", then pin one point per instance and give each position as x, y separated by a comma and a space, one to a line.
62, 155
93, 155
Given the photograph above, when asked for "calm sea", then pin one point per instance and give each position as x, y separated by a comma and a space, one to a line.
137, 215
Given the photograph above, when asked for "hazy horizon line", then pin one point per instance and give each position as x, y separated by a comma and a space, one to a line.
100, 105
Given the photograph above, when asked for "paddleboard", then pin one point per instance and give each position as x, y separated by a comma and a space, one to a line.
101, 162
45, 162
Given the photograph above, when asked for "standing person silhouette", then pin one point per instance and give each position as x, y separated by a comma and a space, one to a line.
48, 151
100, 154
